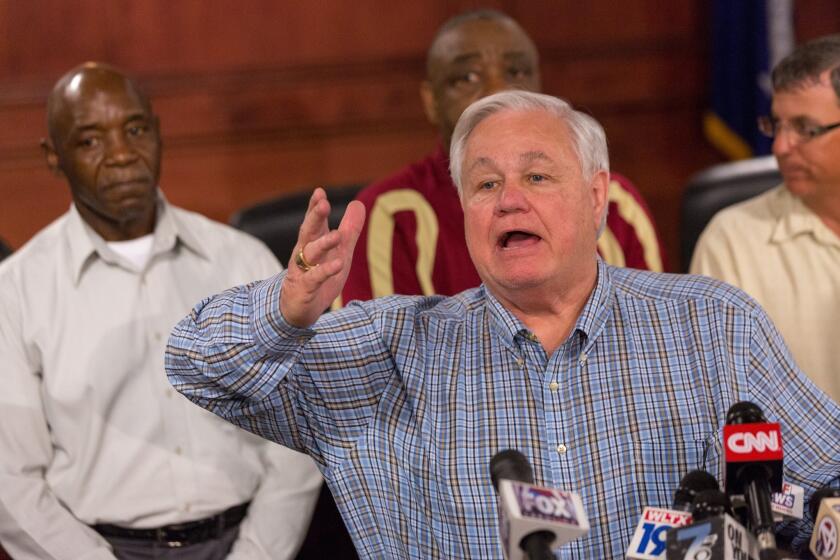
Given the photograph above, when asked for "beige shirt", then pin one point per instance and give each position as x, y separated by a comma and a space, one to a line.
779, 252
92, 432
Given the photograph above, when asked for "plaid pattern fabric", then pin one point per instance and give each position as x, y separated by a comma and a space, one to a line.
404, 400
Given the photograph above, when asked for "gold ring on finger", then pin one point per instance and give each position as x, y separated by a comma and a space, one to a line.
302, 263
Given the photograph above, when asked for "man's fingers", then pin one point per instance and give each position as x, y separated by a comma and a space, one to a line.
353, 219
315, 221
315, 252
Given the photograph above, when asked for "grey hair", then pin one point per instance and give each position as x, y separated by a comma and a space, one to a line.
588, 137
805, 65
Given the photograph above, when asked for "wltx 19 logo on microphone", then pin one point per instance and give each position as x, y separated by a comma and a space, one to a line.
649, 539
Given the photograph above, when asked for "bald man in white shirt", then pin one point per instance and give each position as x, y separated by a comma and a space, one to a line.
99, 457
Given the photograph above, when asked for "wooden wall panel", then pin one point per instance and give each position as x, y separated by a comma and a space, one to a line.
262, 97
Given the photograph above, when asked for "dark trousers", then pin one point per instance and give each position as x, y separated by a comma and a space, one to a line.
213, 549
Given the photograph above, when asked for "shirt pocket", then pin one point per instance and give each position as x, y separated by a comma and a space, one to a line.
660, 463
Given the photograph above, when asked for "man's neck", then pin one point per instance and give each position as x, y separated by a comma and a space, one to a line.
828, 211
111, 230
550, 314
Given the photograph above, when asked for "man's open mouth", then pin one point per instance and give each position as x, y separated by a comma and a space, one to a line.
517, 239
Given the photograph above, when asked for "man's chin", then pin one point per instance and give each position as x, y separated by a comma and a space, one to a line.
518, 281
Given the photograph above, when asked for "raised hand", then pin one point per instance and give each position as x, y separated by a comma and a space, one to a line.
320, 262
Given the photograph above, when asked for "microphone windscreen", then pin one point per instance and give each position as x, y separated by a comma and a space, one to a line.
692, 483
817, 497
511, 465
710, 503
744, 412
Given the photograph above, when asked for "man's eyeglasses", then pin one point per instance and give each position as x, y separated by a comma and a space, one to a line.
802, 131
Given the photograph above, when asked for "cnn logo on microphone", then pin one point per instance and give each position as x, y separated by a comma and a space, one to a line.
752, 442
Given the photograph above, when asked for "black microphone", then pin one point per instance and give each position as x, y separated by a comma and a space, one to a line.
710, 503
714, 533
533, 520
753, 454
825, 508
510, 464
818, 496
695, 481
648, 541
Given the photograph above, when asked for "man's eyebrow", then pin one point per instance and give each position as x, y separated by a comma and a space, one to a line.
534, 156
85, 127
96, 126
515, 54
136, 117
482, 162
465, 57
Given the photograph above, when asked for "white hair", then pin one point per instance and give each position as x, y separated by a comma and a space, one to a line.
588, 137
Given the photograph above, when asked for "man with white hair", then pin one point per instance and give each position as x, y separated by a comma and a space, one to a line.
613, 382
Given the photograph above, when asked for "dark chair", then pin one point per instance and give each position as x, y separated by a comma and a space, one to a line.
716, 188
276, 221
5, 251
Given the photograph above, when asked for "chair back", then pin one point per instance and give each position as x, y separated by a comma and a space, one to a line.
716, 188
276, 221
5, 251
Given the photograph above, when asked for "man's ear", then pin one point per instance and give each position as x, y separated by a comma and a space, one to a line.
599, 189
51, 157
429, 105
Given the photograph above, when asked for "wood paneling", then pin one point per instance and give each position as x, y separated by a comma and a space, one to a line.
262, 97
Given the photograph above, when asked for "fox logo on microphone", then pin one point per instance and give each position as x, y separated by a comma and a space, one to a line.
526, 508
546, 503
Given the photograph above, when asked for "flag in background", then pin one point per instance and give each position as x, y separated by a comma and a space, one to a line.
748, 38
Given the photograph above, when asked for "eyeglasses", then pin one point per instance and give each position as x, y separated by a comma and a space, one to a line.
803, 131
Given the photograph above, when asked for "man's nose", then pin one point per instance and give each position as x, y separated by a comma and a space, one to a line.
512, 198
782, 144
495, 82
119, 150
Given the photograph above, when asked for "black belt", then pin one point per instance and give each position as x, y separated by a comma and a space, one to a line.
181, 534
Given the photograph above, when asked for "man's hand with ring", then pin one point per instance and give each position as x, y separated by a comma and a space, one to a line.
321, 261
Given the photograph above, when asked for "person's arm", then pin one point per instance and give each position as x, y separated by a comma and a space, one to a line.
809, 419
280, 511
33, 522
232, 352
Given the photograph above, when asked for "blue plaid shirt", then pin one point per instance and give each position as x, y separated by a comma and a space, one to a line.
404, 400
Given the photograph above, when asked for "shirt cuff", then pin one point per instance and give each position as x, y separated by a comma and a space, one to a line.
272, 333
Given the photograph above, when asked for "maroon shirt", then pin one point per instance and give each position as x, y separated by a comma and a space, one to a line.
413, 239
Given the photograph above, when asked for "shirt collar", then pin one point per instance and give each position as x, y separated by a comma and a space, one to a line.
794, 218
589, 323
85, 244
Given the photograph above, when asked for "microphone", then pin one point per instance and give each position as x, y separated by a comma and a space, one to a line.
692, 483
648, 542
753, 455
533, 520
715, 534
825, 507
789, 503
